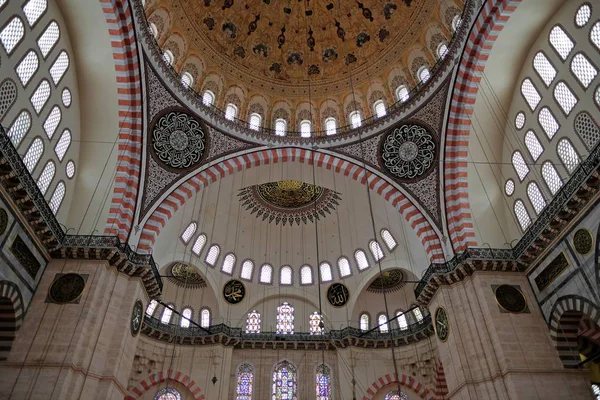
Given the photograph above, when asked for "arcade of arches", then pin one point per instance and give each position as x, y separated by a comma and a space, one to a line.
294, 200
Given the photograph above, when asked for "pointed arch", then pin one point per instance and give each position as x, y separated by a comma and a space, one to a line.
155, 379
11, 316
405, 380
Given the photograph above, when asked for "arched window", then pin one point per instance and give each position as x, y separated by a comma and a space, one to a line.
19, 128
46, 177
567, 155
253, 322
361, 260
584, 12
379, 108
522, 215
285, 319
330, 126
34, 9
355, 119
187, 80
533, 145
561, 42
35, 151
595, 35
323, 382
285, 275
306, 275
402, 322
165, 318
424, 74
167, 394
344, 267
442, 50
548, 122
70, 169
189, 232
151, 307
212, 255
153, 30
363, 322
186, 316
530, 93
198, 244
245, 379
27, 67
551, 177
418, 314
396, 395
456, 22
305, 128
536, 197
565, 97
402, 93
583, 69
228, 264
382, 321
325, 272
388, 239
205, 318
57, 197
230, 112
208, 98
58, 69
376, 251
247, 269
63, 144
266, 274
280, 127
11, 34
314, 324
52, 121
544, 69
519, 165
40, 96
255, 121
168, 57
285, 385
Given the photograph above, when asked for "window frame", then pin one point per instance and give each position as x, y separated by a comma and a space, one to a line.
286, 267
36, 70
55, 42
18, 42
251, 270
560, 57
195, 224
539, 75
312, 275
576, 78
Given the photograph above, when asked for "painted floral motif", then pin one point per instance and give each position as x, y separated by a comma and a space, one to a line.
178, 140
408, 151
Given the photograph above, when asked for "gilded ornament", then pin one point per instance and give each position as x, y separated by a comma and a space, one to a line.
408, 152
178, 140
234, 292
389, 281
186, 275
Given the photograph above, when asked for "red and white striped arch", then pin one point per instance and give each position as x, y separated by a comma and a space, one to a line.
119, 18
169, 206
163, 376
492, 18
405, 381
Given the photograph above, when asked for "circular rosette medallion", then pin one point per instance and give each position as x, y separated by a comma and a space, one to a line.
178, 140
510, 299
67, 288
408, 152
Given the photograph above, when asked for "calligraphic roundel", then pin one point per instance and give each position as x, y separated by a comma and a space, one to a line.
338, 295
234, 291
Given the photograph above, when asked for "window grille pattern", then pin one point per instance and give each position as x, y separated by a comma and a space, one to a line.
306, 275
189, 232
442, 50
364, 322
533, 145
40, 96
551, 177
568, 155
519, 165
198, 244
52, 121
530, 94
284, 382
167, 314
19, 128
253, 322
330, 126
522, 215
536, 197
35, 151
418, 314
344, 267
402, 322
48, 38
509, 187
280, 127
456, 22
212, 255
314, 324
595, 35
361, 260
424, 74
382, 321
583, 15
520, 120
266, 274
205, 318
168, 57
564, 97
561, 42
11, 34
355, 119
402, 93
34, 9
63, 144
388, 239
323, 382
376, 251
596, 390
583, 69
285, 275
151, 307
230, 112
548, 122
285, 319
58, 69
186, 80
228, 264
186, 316
208, 98
325, 271
247, 269
379, 108
27, 67
255, 120
70, 169
66, 97
544, 69
245, 380
305, 128
587, 130
46, 177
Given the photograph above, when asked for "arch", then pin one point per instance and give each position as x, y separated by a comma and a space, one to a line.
154, 379
186, 190
405, 380
483, 34
11, 316
564, 320
119, 20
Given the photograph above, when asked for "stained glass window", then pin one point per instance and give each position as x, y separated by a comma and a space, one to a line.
315, 324
253, 322
396, 395
245, 378
285, 320
186, 316
364, 322
306, 275
285, 382
167, 394
382, 321
323, 382
205, 318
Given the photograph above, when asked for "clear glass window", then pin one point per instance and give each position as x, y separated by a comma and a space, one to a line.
305, 128
66, 97
212, 255
228, 264
583, 15
330, 126
11, 34
344, 267
285, 275
442, 50
35, 151
583, 69
522, 215
561, 42
325, 271
52, 121
536, 197
19, 128
355, 119
186, 316
402, 322
198, 244
151, 307
533, 145
530, 93
40, 96
520, 120
247, 269
418, 314
230, 112
519, 165
167, 314
46, 177
551, 177
544, 69
70, 169
568, 155
58, 69
187, 80
34, 9
595, 35
379, 108
388, 239
376, 251
402, 93
255, 121
364, 322
509, 187
208, 98
456, 22
49, 38
424, 74
63, 144
280, 127
189, 232
168, 57
382, 321
306, 275
266, 274
548, 122
27, 67
361, 260
205, 318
